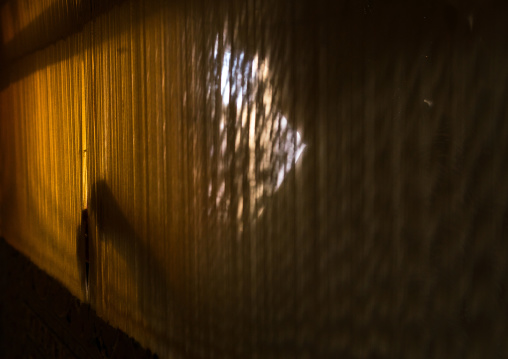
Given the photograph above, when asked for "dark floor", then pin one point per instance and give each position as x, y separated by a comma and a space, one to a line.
41, 319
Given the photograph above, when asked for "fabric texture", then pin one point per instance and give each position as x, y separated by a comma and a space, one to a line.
265, 178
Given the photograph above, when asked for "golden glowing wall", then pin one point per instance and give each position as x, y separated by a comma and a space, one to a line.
43, 109
264, 178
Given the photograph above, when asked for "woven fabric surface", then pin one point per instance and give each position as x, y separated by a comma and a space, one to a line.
266, 178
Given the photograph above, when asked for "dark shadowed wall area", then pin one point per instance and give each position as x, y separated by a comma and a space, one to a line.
265, 179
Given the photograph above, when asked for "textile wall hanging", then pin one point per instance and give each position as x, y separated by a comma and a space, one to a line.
264, 178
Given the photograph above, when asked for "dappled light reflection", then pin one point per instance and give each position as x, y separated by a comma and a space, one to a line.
262, 134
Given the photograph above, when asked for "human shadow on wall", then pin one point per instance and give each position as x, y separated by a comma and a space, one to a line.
156, 298
83, 255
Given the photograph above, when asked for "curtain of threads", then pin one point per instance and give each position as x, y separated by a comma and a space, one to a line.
43, 107
265, 178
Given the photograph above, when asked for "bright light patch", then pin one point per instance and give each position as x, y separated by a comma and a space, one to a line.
280, 146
